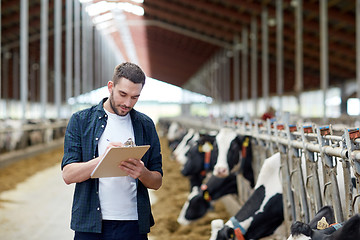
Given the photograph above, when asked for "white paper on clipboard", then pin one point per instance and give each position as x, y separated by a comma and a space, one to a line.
109, 164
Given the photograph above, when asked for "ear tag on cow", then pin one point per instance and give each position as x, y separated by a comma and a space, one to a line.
244, 146
206, 147
203, 187
246, 142
207, 196
322, 224
336, 225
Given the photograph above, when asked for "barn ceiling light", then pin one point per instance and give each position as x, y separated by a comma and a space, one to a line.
105, 6
134, 9
99, 8
138, 1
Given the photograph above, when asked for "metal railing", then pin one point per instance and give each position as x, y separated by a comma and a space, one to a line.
318, 166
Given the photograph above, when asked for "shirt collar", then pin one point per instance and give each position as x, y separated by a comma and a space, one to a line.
100, 112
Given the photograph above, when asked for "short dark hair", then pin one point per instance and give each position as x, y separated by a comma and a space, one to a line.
130, 71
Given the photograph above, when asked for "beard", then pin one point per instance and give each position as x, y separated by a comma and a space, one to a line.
117, 111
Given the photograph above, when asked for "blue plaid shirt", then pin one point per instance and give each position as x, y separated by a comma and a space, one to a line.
80, 145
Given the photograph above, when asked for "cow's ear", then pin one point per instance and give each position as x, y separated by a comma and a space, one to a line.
239, 139
298, 228
327, 212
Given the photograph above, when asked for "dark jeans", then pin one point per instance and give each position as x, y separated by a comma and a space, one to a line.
114, 230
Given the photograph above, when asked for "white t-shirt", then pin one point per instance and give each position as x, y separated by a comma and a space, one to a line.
117, 194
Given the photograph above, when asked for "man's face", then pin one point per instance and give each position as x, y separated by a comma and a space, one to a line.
123, 96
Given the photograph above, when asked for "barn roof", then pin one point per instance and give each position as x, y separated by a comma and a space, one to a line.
175, 39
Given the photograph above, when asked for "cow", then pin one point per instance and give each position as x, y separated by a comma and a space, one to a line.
262, 213
35, 132
227, 148
200, 160
12, 134
175, 135
49, 131
323, 227
203, 157
200, 200
182, 148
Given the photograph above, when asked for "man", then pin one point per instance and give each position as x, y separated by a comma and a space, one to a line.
118, 207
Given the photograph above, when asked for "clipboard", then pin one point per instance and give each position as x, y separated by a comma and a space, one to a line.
109, 164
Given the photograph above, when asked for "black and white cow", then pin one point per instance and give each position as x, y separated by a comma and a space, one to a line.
230, 150
262, 213
227, 149
200, 200
186, 143
11, 134
200, 160
203, 156
175, 134
323, 227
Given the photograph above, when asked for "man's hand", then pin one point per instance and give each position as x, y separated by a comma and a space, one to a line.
113, 144
133, 167
136, 169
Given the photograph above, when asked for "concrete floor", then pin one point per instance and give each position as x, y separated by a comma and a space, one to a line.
37, 209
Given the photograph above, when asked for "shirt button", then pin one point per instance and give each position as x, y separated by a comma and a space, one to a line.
99, 117
105, 115
98, 209
96, 139
94, 156
102, 126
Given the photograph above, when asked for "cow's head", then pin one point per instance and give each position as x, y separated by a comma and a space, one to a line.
195, 163
195, 207
226, 149
173, 131
183, 157
226, 233
199, 202
175, 134
198, 206
180, 151
349, 230
198, 154
322, 227
216, 225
